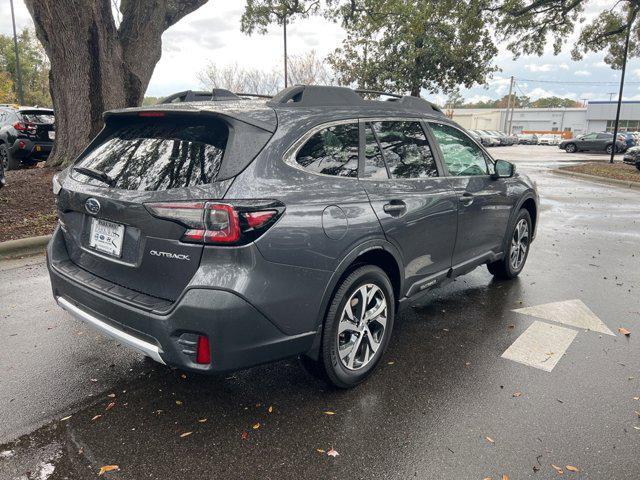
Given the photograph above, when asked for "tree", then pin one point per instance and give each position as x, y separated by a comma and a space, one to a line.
7, 93
396, 44
96, 65
531, 24
306, 69
411, 46
555, 102
34, 67
455, 99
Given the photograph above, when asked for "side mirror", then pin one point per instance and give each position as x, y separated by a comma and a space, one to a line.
503, 169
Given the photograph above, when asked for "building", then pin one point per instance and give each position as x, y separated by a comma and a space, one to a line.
524, 119
599, 116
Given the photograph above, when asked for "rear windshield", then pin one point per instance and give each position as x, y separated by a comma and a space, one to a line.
38, 117
157, 155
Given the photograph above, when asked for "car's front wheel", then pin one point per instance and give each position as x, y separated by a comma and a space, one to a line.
8, 162
516, 249
570, 148
357, 328
609, 149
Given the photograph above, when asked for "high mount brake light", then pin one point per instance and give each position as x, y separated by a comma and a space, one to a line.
219, 223
151, 114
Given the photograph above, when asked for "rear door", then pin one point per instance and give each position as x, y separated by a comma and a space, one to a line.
43, 120
415, 204
109, 231
483, 203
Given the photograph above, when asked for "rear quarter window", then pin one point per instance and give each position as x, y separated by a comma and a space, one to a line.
158, 155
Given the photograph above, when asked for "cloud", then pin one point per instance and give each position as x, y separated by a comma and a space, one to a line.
546, 67
582, 73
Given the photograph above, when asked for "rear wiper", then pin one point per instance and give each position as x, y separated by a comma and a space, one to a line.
98, 175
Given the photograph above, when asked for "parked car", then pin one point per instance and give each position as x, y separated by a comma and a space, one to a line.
628, 139
495, 137
26, 135
214, 236
3, 180
632, 156
483, 138
592, 142
527, 139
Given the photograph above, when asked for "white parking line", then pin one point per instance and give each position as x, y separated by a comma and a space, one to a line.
569, 312
542, 345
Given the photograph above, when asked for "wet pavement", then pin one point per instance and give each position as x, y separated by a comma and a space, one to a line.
443, 404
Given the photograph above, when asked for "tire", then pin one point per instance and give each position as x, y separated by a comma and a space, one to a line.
638, 165
609, 149
348, 358
571, 148
8, 161
510, 267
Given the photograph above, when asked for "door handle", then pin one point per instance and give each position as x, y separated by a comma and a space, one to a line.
466, 199
395, 208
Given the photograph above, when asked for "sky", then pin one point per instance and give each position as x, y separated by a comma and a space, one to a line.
212, 34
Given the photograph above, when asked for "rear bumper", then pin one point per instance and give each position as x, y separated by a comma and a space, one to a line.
25, 149
240, 336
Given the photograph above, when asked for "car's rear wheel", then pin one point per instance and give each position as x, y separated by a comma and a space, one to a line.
8, 162
609, 149
516, 248
357, 328
570, 148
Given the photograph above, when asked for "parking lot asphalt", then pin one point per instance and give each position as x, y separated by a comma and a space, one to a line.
444, 403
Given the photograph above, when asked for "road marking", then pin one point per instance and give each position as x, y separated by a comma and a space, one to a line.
569, 312
542, 345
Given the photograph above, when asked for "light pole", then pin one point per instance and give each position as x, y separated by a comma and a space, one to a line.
624, 68
286, 71
15, 45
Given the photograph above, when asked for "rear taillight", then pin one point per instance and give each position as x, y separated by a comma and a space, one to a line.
203, 350
217, 223
25, 127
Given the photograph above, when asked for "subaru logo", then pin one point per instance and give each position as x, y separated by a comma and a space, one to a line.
92, 206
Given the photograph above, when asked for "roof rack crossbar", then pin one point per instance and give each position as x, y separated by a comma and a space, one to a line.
377, 92
253, 95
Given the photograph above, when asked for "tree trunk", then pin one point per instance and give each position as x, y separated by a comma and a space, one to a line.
94, 65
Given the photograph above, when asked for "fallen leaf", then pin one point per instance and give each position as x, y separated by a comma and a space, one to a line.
505, 477
183, 376
571, 468
557, 469
332, 452
111, 405
185, 434
466, 364
112, 395
487, 478
178, 402
319, 450
96, 417
637, 413
511, 327
270, 409
202, 420
329, 412
489, 439
624, 331
66, 418
637, 428
391, 363
636, 398
245, 435
516, 394
108, 468
256, 426
94, 380
158, 412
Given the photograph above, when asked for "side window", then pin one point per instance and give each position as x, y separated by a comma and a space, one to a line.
405, 149
604, 136
374, 166
460, 154
332, 151
591, 136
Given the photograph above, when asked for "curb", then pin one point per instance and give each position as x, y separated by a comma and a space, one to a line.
595, 178
23, 246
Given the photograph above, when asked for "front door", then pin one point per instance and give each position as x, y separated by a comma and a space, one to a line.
483, 203
414, 202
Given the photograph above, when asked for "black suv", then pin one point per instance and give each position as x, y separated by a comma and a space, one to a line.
217, 235
26, 135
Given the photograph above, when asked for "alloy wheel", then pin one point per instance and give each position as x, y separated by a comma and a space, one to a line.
519, 244
362, 326
4, 158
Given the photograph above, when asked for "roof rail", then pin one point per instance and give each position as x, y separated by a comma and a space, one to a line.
253, 95
326, 96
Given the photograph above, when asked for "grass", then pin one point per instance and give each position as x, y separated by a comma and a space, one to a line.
617, 171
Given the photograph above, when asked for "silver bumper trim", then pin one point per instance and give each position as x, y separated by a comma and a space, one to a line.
135, 343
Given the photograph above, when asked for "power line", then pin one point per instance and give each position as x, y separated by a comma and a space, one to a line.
574, 82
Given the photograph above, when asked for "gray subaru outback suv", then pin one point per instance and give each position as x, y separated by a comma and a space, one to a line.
218, 235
